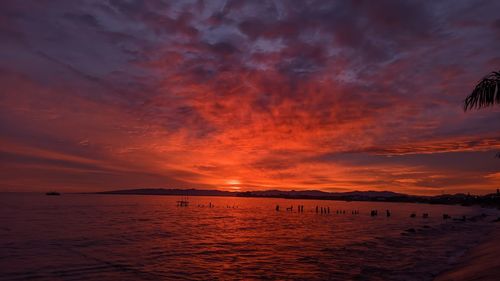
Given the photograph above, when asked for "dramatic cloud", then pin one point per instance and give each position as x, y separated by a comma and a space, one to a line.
331, 95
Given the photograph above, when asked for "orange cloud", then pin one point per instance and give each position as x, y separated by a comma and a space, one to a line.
244, 97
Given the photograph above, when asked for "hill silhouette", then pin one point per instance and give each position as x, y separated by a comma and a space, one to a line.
489, 200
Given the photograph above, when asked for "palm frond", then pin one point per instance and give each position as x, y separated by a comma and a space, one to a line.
486, 93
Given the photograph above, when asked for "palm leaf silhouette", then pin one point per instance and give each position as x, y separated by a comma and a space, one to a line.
486, 93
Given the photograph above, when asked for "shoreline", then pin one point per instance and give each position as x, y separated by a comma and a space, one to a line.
403, 198
489, 201
480, 262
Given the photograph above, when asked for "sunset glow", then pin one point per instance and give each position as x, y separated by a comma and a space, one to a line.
233, 182
247, 95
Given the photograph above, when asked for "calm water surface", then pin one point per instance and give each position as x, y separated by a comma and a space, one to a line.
126, 237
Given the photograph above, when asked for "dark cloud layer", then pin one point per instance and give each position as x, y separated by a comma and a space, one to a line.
332, 95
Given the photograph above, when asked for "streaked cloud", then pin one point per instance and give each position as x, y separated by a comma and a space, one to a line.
274, 94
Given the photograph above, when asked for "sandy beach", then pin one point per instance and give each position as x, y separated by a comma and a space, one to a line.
479, 263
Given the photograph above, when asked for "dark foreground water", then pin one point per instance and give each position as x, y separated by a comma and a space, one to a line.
114, 237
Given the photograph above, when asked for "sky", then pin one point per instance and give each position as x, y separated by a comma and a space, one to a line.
247, 95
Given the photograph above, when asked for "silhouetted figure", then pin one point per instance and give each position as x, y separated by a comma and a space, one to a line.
413, 215
446, 216
373, 213
290, 208
277, 208
387, 213
316, 209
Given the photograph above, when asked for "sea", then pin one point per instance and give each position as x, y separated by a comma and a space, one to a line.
141, 237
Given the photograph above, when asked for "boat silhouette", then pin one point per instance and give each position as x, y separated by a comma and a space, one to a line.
53, 193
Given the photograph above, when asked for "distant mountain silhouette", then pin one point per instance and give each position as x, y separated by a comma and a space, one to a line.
489, 200
163, 191
265, 193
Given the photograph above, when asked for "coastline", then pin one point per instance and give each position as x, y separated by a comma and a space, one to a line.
486, 201
479, 263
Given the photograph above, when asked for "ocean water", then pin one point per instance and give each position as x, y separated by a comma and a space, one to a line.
128, 237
